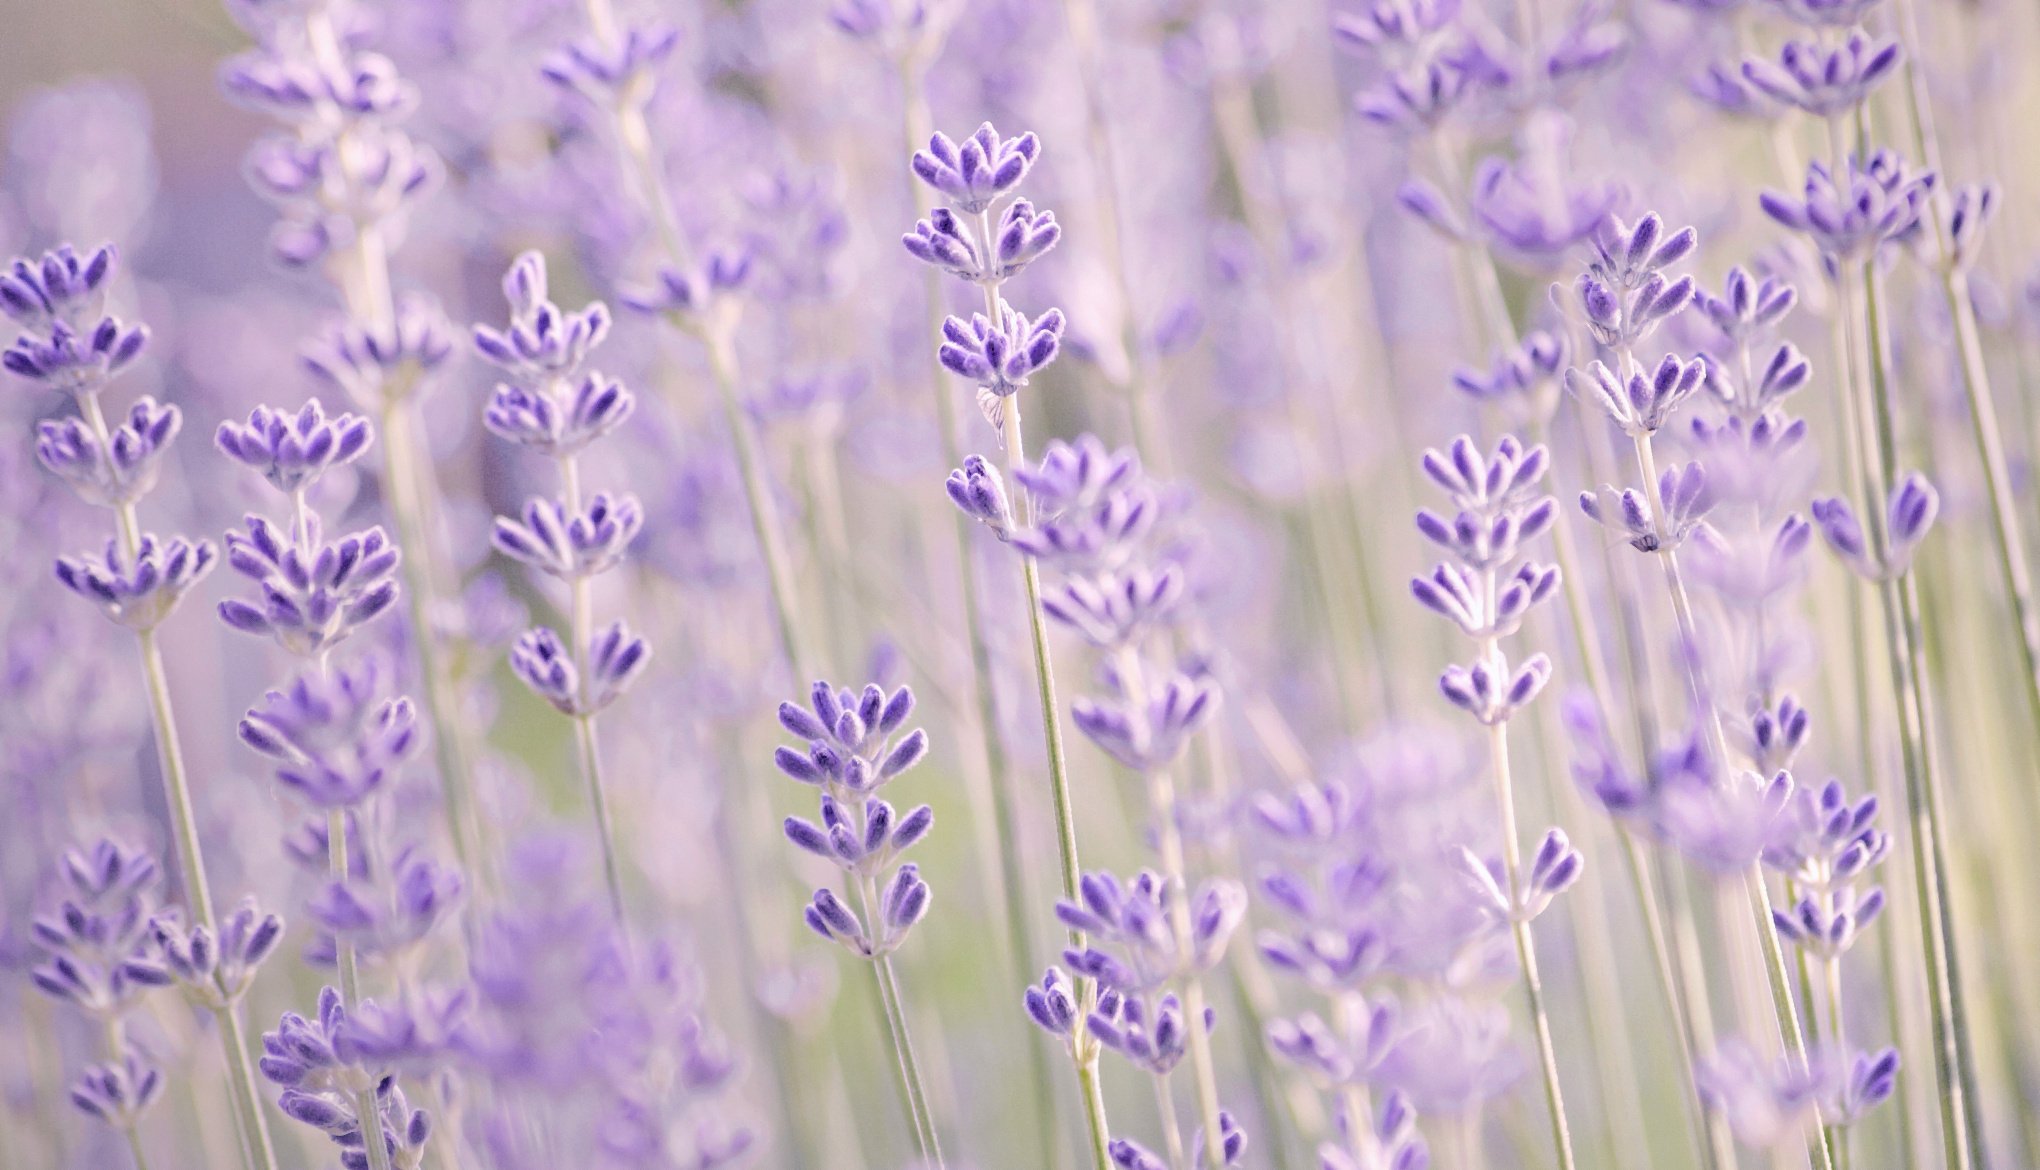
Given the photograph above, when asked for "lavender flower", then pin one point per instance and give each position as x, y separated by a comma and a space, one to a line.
1136, 921
138, 588
1825, 82
1908, 517
851, 753
119, 469
293, 451
1851, 215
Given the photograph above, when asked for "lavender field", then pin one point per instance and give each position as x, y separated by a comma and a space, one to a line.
1019, 585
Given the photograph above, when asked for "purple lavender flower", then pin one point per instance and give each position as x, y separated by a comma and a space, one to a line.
1684, 490
69, 343
1849, 216
335, 737
591, 409
293, 451
851, 753
313, 595
216, 969
1138, 921
1825, 82
541, 341
976, 173
1766, 1102
118, 1092
138, 590
1909, 515
619, 70
375, 365
96, 940
118, 470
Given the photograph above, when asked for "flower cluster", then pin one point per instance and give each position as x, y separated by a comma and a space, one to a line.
555, 405
854, 748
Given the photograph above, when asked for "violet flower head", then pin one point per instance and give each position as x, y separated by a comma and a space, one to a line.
618, 71
68, 342
1645, 402
1386, 26
118, 471
1136, 943
1553, 869
559, 425
215, 969
1748, 307
1525, 378
1869, 1081
1022, 236
96, 940
583, 544
1146, 732
1001, 356
1725, 826
376, 365
1151, 1033
1387, 1141
335, 737
1349, 1054
292, 451
1687, 500
616, 657
1849, 216
1825, 82
1529, 211
1625, 292
327, 1070
854, 748
541, 341
138, 591
311, 594
980, 492
978, 172
118, 1092
690, 293
1909, 516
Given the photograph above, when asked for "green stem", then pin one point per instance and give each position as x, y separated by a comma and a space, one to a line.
1083, 1049
915, 122
1526, 948
913, 1092
764, 511
1899, 604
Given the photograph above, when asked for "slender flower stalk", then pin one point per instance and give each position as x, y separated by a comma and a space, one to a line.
71, 345
1486, 589
912, 43
853, 747
346, 176
615, 69
554, 405
998, 350
1890, 199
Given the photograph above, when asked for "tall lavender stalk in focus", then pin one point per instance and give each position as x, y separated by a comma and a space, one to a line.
71, 345
337, 742
1486, 589
912, 38
997, 350
555, 407
853, 748
346, 176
